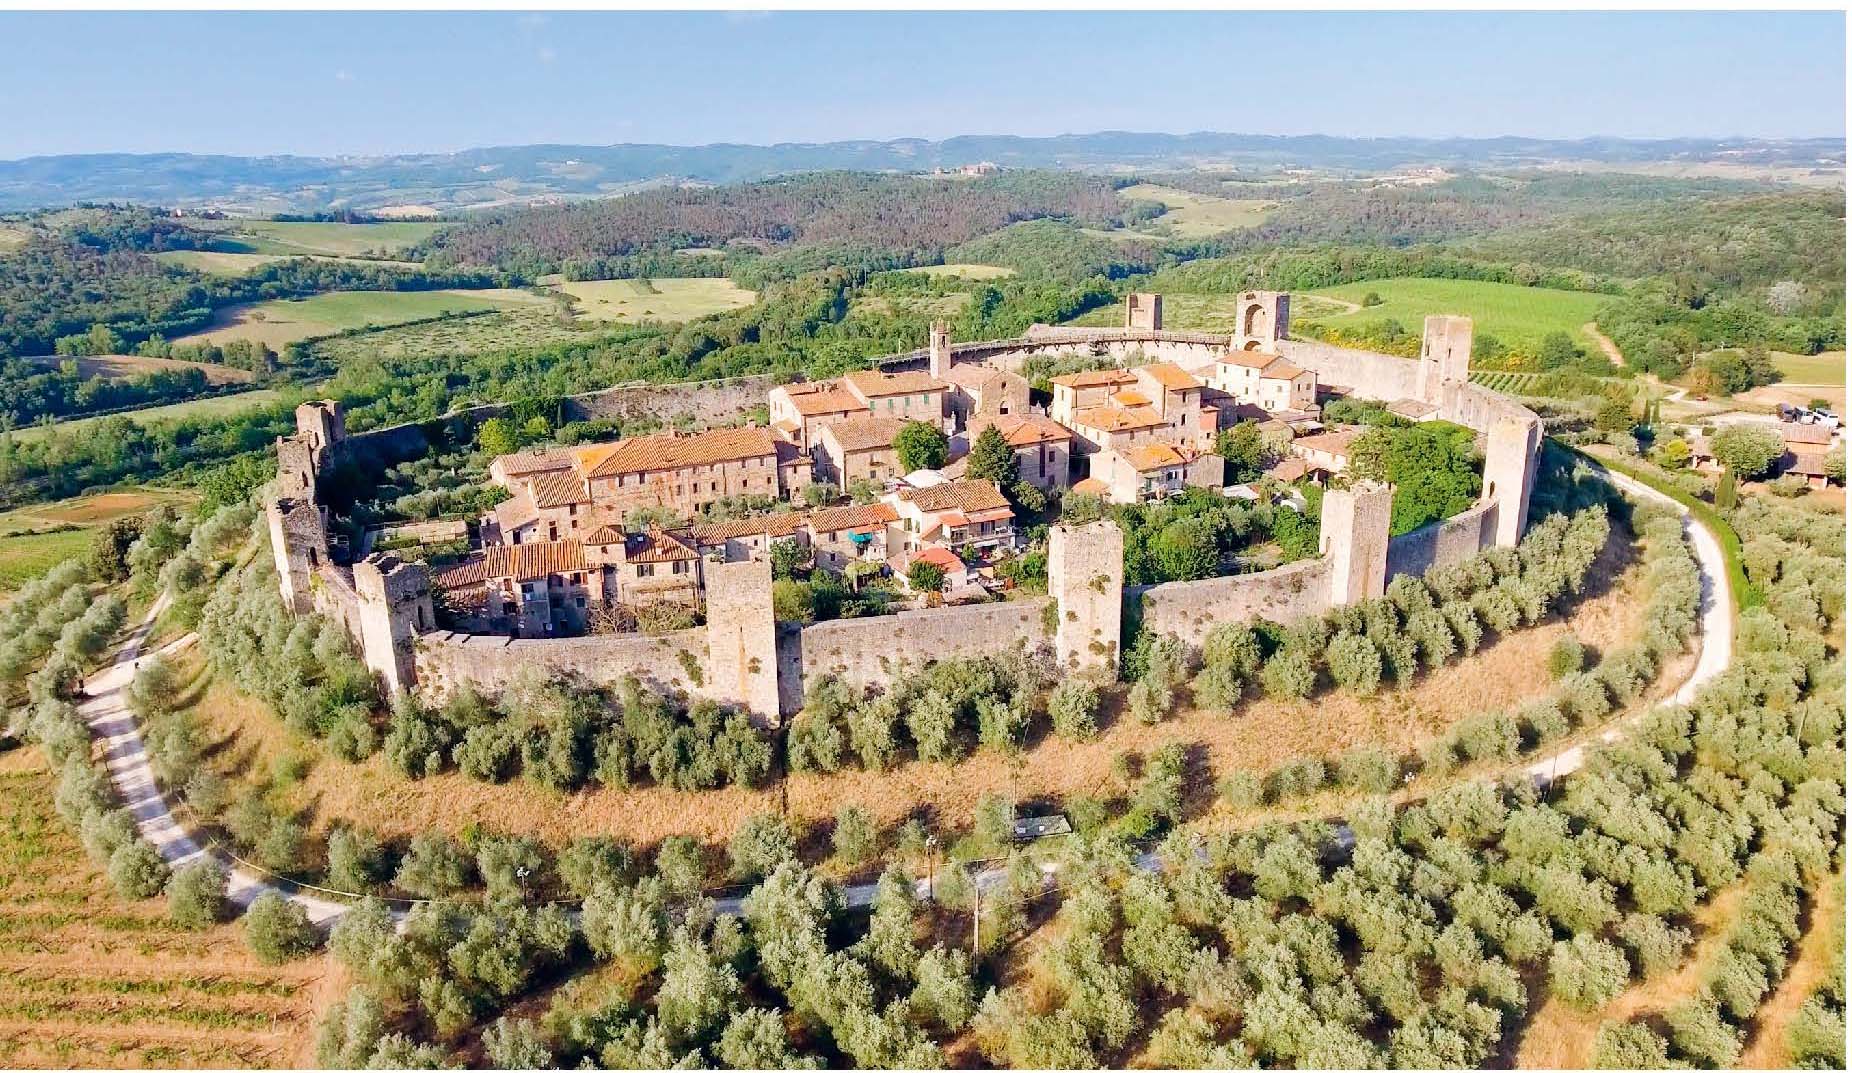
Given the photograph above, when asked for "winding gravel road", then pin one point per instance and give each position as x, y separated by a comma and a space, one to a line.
108, 715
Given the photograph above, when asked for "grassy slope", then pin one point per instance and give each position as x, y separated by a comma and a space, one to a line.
334, 239
1194, 215
1512, 313
670, 299
287, 320
964, 271
210, 406
28, 547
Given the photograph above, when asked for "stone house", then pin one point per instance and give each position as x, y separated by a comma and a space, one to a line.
553, 588
687, 472
839, 536
966, 516
739, 539
860, 448
907, 396
979, 392
1044, 449
1152, 471
799, 412
1328, 452
1266, 380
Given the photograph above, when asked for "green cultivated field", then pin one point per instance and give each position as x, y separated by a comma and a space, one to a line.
286, 320
1828, 368
327, 239
1182, 313
517, 326
34, 539
1194, 215
963, 271
668, 300
211, 406
1516, 315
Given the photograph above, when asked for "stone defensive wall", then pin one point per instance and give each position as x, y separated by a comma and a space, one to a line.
742, 656
874, 651
669, 663
701, 403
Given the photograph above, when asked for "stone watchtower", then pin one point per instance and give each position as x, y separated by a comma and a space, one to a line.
1265, 317
395, 607
1086, 576
939, 350
1353, 536
298, 541
1446, 352
1512, 448
742, 638
1144, 312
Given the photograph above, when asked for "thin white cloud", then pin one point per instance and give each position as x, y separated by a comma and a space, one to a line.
546, 54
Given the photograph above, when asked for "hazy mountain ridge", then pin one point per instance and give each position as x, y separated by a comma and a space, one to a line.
521, 174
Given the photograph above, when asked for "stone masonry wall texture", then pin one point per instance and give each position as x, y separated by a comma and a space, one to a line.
872, 651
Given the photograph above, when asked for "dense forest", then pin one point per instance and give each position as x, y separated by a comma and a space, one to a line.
896, 212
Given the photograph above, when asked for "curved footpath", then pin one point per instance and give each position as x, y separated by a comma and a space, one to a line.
109, 717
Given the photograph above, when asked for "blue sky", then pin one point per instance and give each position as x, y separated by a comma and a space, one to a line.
363, 83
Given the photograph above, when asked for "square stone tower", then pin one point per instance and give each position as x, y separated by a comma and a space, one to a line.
1446, 352
939, 349
297, 542
1144, 312
1353, 535
395, 607
1266, 316
1086, 576
742, 638
1511, 451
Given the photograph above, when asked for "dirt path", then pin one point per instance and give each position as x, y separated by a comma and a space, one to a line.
1607, 345
1768, 1038
126, 757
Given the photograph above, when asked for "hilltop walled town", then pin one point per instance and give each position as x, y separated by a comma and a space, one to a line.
601, 561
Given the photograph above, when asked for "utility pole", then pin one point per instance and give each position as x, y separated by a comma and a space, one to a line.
977, 908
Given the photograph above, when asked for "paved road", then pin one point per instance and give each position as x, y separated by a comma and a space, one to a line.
108, 715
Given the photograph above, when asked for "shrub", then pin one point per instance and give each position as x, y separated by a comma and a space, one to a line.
278, 930
137, 870
1369, 769
1587, 972
512, 1043
196, 895
855, 835
1567, 655
1149, 701
592, 862
1074, 709
761, 844
1623, 1045
435, 866
1356, 664
1289, 674
1817, 1035
1243, 789
932, 719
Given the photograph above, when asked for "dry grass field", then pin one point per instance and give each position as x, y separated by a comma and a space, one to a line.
248, 740
635, 301
123, 366
304, 238
88, 980
1193, 215
516, 326
208, 406
1816, 957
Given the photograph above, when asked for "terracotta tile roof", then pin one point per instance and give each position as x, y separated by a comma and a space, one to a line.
1095, 378
1333, 443
557, 488
667, 450
605, 534
780, 524
865, 433
655, 546
1806, 461
1150, 456
516, 512
863, 516
1169, 376
1413, 409
1129, 398
955, 495
1280, 369
1795, 432
517, 562
1289, 470
1118, 418
979, 377
1027, 430
828, 401
872, 383
522, 463
1092, 486
1250, 359
941, 557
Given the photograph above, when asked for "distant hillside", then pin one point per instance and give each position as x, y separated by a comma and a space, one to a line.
480, 178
